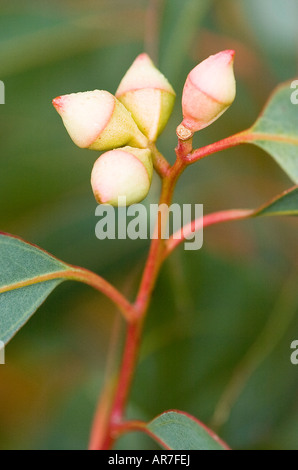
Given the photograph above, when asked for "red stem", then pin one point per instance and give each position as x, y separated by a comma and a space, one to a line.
155, 256
105, 440
85, 276
206, 221
161, 165
93, 280
109, 419
232, 141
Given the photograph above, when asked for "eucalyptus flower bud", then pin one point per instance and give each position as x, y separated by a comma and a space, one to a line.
147, 94
124, 173
98, 121
209, 90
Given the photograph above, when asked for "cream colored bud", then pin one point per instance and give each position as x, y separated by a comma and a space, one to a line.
147, 94
98, 121
122, 173
209, 90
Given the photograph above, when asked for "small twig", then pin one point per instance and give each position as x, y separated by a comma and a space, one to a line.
116, 405
161, 165
93, 280
232, 141
184, 148
75, 273
215, 218
114, 408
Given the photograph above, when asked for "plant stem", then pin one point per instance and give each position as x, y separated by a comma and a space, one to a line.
116, 407
88, 277
245, 137
232, 141
161, 165
157, 248
109, 419
75, 273
206, 221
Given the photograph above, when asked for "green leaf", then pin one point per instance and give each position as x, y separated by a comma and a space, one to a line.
284, 204
276, 130
179, 431
22, 289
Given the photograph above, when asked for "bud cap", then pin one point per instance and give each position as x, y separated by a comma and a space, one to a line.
147, 94
98, 121
122, 173
209, 90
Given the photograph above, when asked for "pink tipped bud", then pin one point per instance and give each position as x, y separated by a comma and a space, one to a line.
209, 90
147, 94
124, 173
98, 121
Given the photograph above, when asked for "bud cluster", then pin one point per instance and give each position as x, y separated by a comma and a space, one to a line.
125, 125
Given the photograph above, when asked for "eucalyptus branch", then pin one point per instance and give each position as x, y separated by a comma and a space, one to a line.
153, 264
158, 248
198, 224
125, 127
228, 142
81, 275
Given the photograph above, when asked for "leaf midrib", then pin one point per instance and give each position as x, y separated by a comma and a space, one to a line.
252, 136
37, 279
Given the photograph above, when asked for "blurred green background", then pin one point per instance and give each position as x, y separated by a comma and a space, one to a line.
217, 340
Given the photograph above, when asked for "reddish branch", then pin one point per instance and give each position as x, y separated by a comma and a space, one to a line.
109, 420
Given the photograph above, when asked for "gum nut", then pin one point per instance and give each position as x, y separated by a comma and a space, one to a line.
122, 173
147, 94
97, 120
209, 90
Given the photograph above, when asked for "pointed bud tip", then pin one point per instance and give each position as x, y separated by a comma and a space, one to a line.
229, 54
57, 102
144, 57
224, 58
147, 95
97, 120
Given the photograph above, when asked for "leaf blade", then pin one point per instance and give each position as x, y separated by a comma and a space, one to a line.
284, 204
13, 317
29, 259
177, 430
23, 284
276, 130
